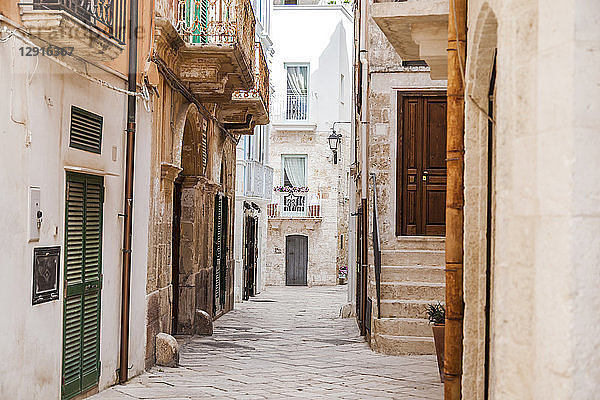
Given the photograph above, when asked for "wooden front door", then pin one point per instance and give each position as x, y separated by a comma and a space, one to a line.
296, 260
250, 256
421, 169
83, 283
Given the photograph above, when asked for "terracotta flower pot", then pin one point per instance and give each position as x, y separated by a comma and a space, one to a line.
438, 339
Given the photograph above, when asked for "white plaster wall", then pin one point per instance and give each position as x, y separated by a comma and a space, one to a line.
326, 44
327, 48
545, 277
34, 132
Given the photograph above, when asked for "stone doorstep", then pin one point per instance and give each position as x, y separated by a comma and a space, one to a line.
404, 308
412, 291
420, 243
403, 345
414, 327
434, 258
415, 273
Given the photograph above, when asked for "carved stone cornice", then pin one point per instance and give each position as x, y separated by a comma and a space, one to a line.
168, 172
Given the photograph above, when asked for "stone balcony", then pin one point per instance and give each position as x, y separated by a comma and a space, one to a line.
254, 102
90, 29
418, 30
217, 56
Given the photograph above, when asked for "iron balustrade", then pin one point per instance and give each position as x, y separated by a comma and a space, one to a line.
108, 16
261, 80
296, 106
376, 246
290, 205
218, 22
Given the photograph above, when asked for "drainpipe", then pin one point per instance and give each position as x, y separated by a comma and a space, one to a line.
457, 28
129, 167
364, 164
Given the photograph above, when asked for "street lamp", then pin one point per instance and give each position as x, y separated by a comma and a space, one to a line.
334, 142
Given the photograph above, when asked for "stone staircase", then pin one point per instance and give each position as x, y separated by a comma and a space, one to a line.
411, 278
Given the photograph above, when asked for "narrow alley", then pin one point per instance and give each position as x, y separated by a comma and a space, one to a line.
288, 342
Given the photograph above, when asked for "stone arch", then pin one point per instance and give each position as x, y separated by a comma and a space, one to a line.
189, 130
483, 43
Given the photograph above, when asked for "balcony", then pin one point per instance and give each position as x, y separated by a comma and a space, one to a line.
258, 180
418, 30
294, 205
254, 102
94, 29
216, 53
291, 113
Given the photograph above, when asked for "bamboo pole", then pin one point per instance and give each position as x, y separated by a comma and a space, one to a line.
457, 28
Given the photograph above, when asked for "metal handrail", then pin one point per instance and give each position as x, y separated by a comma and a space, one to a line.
376, 246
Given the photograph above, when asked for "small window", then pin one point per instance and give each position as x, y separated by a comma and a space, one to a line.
86, 130
418, 63
294, 171
297, 92
290, 2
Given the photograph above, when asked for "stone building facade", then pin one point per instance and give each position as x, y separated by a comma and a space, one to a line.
209, 88
311, 223
530, 193
62, 178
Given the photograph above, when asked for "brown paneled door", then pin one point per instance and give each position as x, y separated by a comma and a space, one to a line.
421, 169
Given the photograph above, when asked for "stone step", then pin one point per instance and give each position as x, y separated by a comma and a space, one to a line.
421, 243
428, 291
416, 327
402, 345
435, 258
416, 273
404, 308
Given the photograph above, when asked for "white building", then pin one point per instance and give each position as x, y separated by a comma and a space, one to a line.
62, 163
254, 184
311, 75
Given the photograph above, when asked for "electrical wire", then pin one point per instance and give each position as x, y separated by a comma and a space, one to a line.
144, 94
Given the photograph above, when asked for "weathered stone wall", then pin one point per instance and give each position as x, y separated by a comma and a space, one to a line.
328, 181
546, 187
177, 151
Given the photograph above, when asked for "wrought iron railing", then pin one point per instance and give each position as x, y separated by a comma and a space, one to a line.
108, 16
289, 205
218, 22
296, 106
376, 246
261, 80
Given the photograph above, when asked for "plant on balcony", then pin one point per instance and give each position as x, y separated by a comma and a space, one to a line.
290, 189
436, 313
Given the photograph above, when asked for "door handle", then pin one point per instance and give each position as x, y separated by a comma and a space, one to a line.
425, 173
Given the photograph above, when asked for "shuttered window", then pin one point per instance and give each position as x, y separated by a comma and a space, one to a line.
83, 282
86, 130
220, 252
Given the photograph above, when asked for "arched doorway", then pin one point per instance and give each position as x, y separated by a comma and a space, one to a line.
296, 260
186, 220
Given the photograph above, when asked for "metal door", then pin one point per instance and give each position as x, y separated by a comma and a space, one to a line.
296, 260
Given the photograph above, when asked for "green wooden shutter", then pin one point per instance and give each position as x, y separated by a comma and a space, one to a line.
217, 254
83, 260
197, 19
223, 271
86, 130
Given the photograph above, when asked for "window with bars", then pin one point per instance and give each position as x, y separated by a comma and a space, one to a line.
297, 92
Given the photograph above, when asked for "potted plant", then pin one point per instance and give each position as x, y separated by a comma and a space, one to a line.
436, 313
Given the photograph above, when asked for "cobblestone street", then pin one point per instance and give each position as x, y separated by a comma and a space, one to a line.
288, 342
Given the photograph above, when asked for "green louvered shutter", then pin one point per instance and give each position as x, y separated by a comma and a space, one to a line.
197, 15
224, 219
217, 254
83, 281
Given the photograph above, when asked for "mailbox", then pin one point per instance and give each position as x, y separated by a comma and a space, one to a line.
46, 263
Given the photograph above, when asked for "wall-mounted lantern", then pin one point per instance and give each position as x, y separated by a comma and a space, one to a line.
334, 143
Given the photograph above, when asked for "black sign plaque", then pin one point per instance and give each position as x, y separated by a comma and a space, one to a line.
46, 263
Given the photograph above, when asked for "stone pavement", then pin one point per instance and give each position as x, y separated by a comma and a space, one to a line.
286, 343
